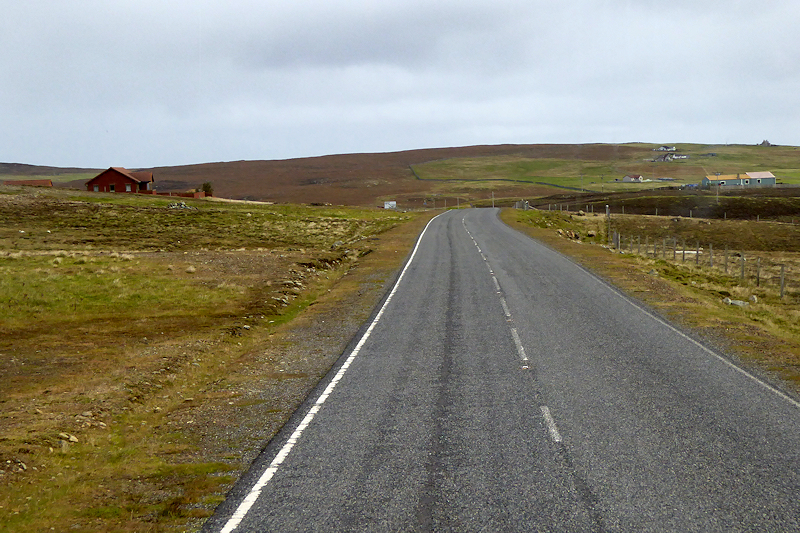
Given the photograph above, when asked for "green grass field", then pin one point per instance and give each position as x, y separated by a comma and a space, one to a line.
602, 174
116, 311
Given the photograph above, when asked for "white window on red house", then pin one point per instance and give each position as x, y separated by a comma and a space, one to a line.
127, 187
96, 188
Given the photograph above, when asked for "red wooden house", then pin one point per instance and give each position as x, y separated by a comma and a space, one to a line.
118, 179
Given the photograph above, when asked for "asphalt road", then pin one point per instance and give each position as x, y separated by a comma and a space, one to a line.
503, 388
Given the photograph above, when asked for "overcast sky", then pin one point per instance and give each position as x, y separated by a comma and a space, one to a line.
141, 83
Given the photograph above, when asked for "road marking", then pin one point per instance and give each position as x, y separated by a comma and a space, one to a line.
551, 424
709, 351
520, 348
517, 341
244, 507
505, 307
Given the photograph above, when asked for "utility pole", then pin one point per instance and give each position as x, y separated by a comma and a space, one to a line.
492, 198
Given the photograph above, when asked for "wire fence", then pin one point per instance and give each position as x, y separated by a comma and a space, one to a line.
745, 268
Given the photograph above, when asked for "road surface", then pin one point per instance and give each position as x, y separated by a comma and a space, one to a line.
501, 387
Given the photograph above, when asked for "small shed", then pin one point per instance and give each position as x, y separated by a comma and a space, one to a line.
30, 183
118, 179
633, 178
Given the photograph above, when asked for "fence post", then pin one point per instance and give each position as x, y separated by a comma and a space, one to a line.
646, 244
711, 255
697, 255
726, 258
664, 249
741, 272
683, 246
758, 272
783, 270
674, 248
638, 245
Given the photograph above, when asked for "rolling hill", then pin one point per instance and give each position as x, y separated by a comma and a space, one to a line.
462, 174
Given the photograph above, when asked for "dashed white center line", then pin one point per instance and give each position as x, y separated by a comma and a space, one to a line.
517, 341
520, 348
549, 421
496, 284
505, 307
551, 424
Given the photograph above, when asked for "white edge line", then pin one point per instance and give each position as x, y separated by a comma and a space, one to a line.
244, 507
726, 361
695, 342
618, 292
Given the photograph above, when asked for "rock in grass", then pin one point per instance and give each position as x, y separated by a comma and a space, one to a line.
67, 437
739, 303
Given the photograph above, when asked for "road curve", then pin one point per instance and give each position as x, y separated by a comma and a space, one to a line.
501, 387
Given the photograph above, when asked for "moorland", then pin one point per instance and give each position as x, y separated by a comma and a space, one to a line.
418, 178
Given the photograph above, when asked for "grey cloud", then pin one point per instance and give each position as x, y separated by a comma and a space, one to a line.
145, 83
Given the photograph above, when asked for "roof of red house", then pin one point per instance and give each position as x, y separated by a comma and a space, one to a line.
137, 176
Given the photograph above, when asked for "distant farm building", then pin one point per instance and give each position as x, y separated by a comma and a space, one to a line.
664, 148
633, 178
118, 179
30, 183
750, 180
666, 158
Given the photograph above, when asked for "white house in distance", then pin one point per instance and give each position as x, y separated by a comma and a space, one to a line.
633, 178
746, 181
